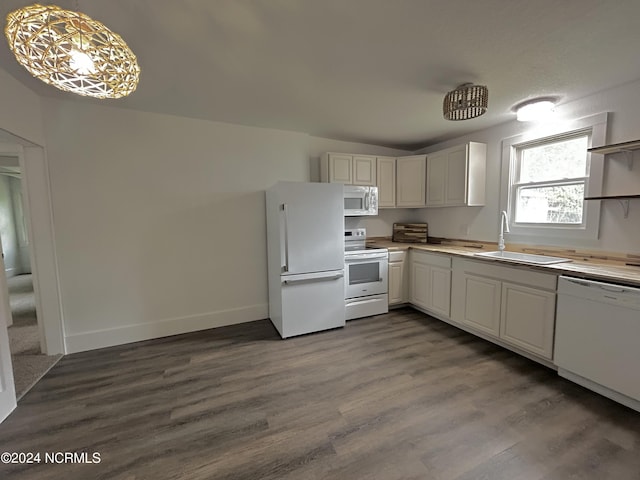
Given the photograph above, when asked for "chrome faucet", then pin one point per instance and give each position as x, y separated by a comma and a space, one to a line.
504, 225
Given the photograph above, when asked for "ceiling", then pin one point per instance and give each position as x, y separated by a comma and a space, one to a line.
373, 71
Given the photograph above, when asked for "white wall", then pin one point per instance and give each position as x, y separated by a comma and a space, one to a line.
159, 220
617, 234
20, 111
160, 223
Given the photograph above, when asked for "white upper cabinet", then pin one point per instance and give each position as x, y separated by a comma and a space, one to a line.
456, 176
436, 178
452, 177
386, 182
348, 169
364, 170
410, 181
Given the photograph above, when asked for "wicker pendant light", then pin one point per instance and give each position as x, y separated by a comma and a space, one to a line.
465, 102
72, 52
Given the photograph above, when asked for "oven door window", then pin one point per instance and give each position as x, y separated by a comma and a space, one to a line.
364, 273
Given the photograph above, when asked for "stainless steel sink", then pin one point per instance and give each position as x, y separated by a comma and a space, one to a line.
522, 257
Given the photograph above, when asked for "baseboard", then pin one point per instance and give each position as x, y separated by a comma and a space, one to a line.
163, 328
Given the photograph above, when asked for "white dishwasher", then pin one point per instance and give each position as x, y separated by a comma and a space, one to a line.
597, 343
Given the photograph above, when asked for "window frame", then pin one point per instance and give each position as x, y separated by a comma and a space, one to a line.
595, 127
516, 185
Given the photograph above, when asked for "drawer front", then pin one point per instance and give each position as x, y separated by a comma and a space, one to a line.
397, 256
443, 261
522, 275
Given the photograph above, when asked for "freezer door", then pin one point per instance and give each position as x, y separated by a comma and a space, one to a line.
312, 227
312, 302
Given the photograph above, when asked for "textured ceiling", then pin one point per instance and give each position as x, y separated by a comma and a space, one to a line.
373, 71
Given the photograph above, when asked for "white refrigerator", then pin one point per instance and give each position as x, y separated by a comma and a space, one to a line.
305, 251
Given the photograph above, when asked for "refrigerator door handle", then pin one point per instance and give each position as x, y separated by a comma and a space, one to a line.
314, 279
285, 267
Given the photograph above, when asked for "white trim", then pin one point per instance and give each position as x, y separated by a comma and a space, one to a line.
44, 264
163, 328
552, 234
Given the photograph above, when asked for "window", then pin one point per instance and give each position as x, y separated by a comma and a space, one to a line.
546, 174
550, 179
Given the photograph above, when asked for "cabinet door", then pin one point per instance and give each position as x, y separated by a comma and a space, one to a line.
364, 170
456, 176
396, 284
386, 182
340, 169
528, 318
440, 286
420, 284
482, 304
411, 178
436, 178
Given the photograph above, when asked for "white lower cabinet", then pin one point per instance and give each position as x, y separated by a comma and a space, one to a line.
527, 318
481, 304
514, 305
431, 282
397, 278
420, 291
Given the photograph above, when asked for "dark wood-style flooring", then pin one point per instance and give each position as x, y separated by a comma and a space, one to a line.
398, 396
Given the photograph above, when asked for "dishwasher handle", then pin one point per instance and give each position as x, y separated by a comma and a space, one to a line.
596, 290
606, 287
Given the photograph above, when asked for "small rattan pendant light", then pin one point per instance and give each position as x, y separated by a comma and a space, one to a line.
72, 52
465, 102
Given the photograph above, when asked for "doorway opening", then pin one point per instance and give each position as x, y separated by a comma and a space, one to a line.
28, 360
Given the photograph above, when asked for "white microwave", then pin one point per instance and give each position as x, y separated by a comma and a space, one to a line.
360, 200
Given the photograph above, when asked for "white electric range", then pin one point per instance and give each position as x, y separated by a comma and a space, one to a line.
366, 276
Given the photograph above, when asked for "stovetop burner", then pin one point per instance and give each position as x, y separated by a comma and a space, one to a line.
355, 242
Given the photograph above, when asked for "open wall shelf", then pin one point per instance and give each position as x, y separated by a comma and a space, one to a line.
627, 148
614, 197
616, 147
623, 199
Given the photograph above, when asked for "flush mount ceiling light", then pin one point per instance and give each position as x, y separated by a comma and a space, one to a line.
535, 110
72, 52
465, 102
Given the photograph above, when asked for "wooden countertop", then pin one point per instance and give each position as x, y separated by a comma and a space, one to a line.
603, 270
